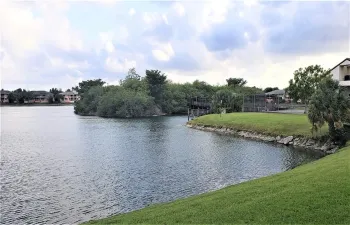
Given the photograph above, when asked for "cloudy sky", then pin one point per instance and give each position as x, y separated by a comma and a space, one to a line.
50, 43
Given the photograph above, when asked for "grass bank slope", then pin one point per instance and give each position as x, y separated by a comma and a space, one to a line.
264, 123
315, 193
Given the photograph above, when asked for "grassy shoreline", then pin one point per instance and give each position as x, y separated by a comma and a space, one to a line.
265, 123
314, 193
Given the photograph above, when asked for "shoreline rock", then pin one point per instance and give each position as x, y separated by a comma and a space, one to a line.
325, 147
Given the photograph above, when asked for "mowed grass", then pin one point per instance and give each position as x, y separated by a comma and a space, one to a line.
315, 193
265, 123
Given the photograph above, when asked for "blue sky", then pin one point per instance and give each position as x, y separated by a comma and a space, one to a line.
52, 43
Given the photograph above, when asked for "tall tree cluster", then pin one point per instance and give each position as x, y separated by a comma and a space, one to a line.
305, 83
330, 105
153, 93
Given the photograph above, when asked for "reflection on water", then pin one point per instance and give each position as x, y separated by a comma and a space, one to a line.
57, 167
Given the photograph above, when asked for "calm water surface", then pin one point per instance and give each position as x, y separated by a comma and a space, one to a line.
57, 167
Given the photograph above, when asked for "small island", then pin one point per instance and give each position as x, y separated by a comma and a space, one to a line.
155, 95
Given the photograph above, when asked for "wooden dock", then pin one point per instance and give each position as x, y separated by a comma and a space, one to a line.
198, 107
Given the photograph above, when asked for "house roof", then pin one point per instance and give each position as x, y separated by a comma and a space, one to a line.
276, 92
339, 63
41, 93
69, 93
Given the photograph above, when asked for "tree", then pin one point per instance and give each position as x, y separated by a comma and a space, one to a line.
56, 95
11, 97
227, 99
236, 82
132, 74
84, 86
134, 82
156, 81
269, 89
330, 105
121, 102
19, 95
306, 80
203, 89
88, 103
175, 99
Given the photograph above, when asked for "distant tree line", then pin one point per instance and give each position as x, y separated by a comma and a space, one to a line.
20, 96
154, 94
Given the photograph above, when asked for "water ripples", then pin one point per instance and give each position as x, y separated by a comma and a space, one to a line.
57, 167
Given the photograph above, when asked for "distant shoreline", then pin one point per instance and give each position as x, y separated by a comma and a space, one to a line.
35, 104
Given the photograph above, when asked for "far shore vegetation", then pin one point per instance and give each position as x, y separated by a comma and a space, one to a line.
155, 94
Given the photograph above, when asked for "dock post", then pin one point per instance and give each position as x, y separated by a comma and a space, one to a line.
188, 114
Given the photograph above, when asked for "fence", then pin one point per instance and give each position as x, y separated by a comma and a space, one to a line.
265, 103
198, 106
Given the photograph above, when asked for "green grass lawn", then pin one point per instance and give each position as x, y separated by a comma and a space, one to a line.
265, 123
315, 193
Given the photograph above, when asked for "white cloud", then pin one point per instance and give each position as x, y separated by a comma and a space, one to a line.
150, 18
250, 3
24, 33
246, 35
14, 19
165, 19
117, 65
79, 65
107, 2
160, 55
65, 82
132, 11
42, 40
164, 52
109, 47
215, 12
179, 8
6, 61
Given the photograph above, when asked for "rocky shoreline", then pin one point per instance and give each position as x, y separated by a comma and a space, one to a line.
324, 147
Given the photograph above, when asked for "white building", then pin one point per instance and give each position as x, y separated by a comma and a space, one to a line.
341, 72
70, 97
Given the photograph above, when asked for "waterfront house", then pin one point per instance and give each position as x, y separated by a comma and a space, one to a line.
4, 96
40, 97
282, 95
70, 97
341, 73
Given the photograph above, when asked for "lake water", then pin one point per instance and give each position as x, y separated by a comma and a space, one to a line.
57, 167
